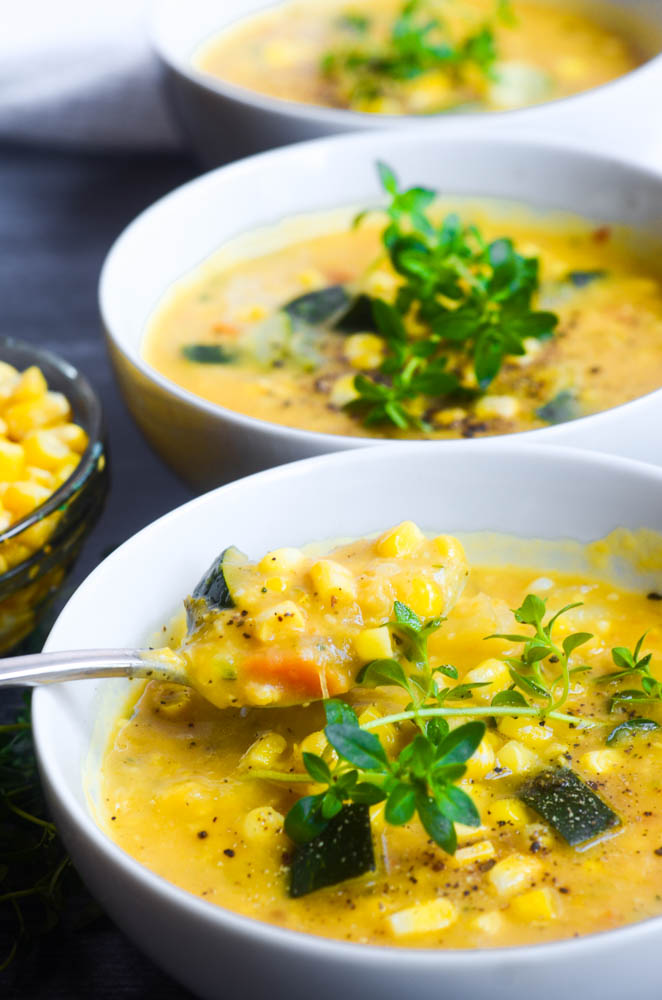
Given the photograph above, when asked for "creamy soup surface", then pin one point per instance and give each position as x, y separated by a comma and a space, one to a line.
200, 794
344, 55
607, 347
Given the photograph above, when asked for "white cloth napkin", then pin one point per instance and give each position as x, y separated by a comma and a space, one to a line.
81, 74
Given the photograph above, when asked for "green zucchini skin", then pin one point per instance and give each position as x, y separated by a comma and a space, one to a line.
214, 591
568, 805
318, 307
342, 851
358, 318
580, 279
207, 354
560, 409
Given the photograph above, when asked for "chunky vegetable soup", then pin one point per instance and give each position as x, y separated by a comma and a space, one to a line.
491, 779
423, 56
421, 320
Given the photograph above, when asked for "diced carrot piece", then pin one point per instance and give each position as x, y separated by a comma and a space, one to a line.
293, 673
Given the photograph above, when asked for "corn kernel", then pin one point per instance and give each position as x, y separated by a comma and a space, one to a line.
423, 918
28, 416
265, 751
343, 391
276, 584
8, 374
601, 761
423, 596
279, 620
41, 476
314, 743
31, 385
45, 450
333, 582
505, 407
513, 874
450, 548
22, 498
403, 540
263, 823
488, 923
285, 560
528, 732
251, 314
508, 811
517, 758
373, 644
12, 461
494, 673
535, 906
451, 415
65, 472
364, 350
482, 851
387, 734
482, 761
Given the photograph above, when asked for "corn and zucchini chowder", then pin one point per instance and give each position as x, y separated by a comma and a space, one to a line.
424, 57
421, 320
461, 774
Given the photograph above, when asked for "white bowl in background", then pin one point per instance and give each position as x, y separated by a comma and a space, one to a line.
528, 492
208, 444
224, 121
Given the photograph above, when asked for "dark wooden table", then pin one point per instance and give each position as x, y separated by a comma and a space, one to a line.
59, 214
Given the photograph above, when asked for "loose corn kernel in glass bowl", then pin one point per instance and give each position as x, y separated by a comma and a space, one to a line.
40, 448
53, 480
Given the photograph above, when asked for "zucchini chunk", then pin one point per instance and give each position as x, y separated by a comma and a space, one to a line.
215, 590
342, 851
207, 354
580, 279
359, 318
560, 409
318, 307
568, 805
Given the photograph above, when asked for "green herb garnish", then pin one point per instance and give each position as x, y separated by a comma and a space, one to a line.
38, 886
633, 667
468, 299
417, 44
528, 671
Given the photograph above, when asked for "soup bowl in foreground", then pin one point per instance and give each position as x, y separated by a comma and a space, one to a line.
207, 443
522, 492
223, 120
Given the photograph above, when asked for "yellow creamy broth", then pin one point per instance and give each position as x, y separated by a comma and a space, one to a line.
607, 349
176, 792
551, 50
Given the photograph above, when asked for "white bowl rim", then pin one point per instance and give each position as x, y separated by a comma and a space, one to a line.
270, 934
344, 118
315, 439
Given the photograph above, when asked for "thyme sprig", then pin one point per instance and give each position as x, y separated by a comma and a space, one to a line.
417, 44
38, 886
422, 777
633, 667
465, 298
528, 671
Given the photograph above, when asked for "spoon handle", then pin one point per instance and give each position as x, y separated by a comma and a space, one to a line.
51, 668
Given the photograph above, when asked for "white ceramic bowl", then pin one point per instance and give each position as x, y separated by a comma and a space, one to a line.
549, 493
223, 121
208, 444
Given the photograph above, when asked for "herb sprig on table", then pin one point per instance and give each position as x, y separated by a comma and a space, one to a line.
465, 298
418, 43
38, 886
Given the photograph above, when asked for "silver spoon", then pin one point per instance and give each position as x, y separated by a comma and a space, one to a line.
51, 668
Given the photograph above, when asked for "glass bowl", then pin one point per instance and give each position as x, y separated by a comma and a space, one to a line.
54, 531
